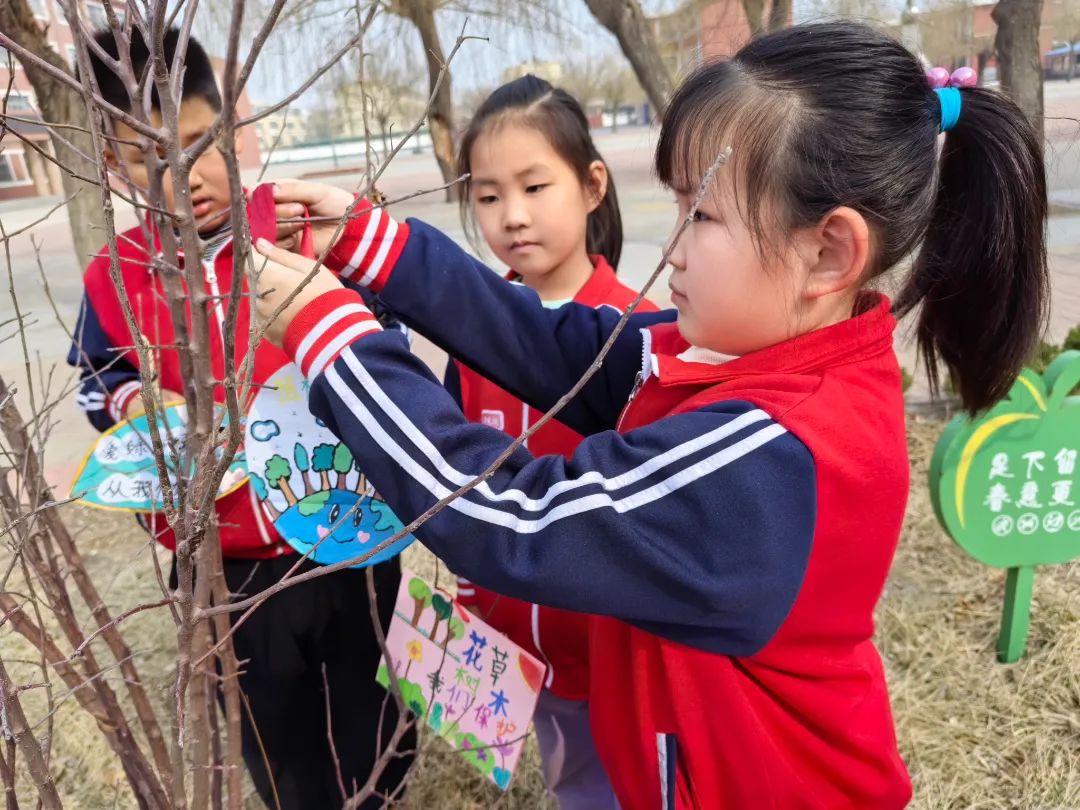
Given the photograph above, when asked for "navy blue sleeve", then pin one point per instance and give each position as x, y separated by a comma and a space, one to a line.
107, 380
386, 317
697, 527
452, 382
437, 288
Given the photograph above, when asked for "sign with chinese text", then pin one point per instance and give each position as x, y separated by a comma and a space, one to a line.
119, 471
471, 685
308, 483
1006, 486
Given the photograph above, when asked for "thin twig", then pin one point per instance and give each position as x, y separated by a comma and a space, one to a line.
119, 619
322, 69
461, 40
512, 448
68, 80
330, 736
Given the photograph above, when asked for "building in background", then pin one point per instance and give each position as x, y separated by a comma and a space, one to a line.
281, 129
949, 33
1062, 60
725, 29
700, 30
961, 34
394, 104
23, 170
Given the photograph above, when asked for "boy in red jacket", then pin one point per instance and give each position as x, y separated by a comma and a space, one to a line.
287, 642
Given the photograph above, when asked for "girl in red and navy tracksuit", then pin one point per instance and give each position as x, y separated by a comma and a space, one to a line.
733, 524
546, 207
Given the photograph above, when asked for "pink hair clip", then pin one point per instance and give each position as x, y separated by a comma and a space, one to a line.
939, 77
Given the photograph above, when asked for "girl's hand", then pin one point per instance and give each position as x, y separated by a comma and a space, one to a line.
279, 274
325, 205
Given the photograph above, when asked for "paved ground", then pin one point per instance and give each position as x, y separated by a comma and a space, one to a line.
648, 216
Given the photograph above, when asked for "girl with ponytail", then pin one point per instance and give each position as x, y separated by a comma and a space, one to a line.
732, 512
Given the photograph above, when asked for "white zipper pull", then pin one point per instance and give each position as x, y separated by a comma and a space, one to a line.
639, 381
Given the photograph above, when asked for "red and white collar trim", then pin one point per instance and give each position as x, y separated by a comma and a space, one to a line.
667, 355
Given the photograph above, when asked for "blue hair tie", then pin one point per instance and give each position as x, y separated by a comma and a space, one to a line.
950, 100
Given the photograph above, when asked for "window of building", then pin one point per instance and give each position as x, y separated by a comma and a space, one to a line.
13, 170
39, 8
18, 103
97, 15
4, 53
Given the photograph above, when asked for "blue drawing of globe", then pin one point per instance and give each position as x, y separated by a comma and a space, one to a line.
347, 523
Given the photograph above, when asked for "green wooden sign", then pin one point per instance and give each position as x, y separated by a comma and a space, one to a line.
1006, 486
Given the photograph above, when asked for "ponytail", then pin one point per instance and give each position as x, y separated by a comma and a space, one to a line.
980, 277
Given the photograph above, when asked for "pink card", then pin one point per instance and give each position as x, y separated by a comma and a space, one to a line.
473, 686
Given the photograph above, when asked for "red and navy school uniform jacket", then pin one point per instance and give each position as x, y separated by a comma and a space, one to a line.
560, 638
733, 524
103, 350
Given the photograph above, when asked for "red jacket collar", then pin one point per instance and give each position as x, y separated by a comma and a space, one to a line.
597, 289
859, 337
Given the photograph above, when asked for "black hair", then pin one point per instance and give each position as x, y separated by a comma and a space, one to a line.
554, 112
837, 114
198, 82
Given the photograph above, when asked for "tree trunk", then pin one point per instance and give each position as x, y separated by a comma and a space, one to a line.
755, 15
20, 730
434, 628
60, 104
1072, 61
1019, 61
779, 15
421, 13
627, 22
283, 487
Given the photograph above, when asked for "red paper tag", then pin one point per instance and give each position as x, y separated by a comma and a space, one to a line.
262, 219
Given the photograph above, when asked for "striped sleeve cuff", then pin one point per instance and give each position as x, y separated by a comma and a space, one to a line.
121, 397
368, 247
466, 591
320, 332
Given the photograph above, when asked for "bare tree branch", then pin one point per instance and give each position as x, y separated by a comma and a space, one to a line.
16, 728
620, 325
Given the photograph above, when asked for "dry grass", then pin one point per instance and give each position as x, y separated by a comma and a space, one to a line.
975, 734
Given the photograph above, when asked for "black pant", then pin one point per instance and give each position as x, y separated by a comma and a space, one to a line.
282, 648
